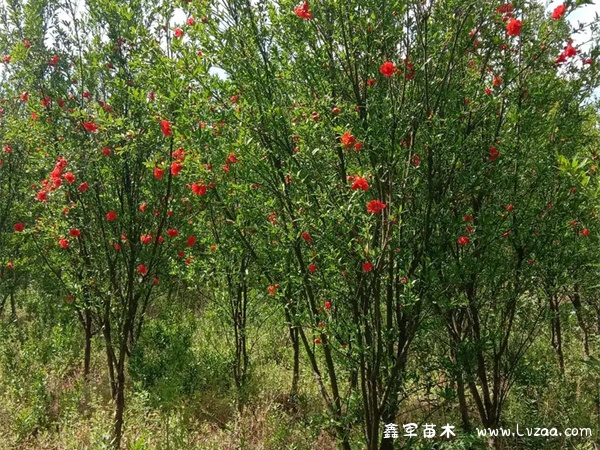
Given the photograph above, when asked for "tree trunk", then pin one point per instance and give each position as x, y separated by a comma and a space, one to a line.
296, 366
88, 345
557, 333
576, 300
119, 406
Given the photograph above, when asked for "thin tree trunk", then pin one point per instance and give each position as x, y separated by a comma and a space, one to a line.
576, 300
557, 333
88, 345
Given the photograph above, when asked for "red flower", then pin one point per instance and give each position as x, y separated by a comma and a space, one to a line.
359, 183
335, 111
586, 232
231, 159
142, 269
348, 139
307, 238
191, 241
90, 126
327, 305
468, 218
272, 289
111, 215
387, 69
302, 11
158, 173
570, 50
172, 232
6, 59
588, 61
83, 187
358, 146
317, 341
416, 160
494, 153
488, 91
74, 232
146, 238
142, 207
25, 96
312, 268
559, 11
178, 32
199, 189
105, 151
165, 127
367, 266
176, 167
179, 154
69, 177
497, 81
513, 28
42, 196
463, 240
19, 227
375, 206
510, 207
506, 8
64, 243
155, 280
191, 21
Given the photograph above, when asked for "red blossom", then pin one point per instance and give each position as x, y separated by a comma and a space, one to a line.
158, 173
327, 305
176, 167
494, 153
360, 183
74, 232
191, 21
165, 127
172, 232
302, 11
367, 266
19, 227
178, 32
198, 188
559, 11
307, 238
312, 268
64, 243
111, 215
83, 187
191, 241
463, 240
142, 269
348, 139
375, 206
387, 69
90, 126
146, 238
69, 177
513, 27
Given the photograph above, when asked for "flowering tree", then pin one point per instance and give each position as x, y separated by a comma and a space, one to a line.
391, 146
